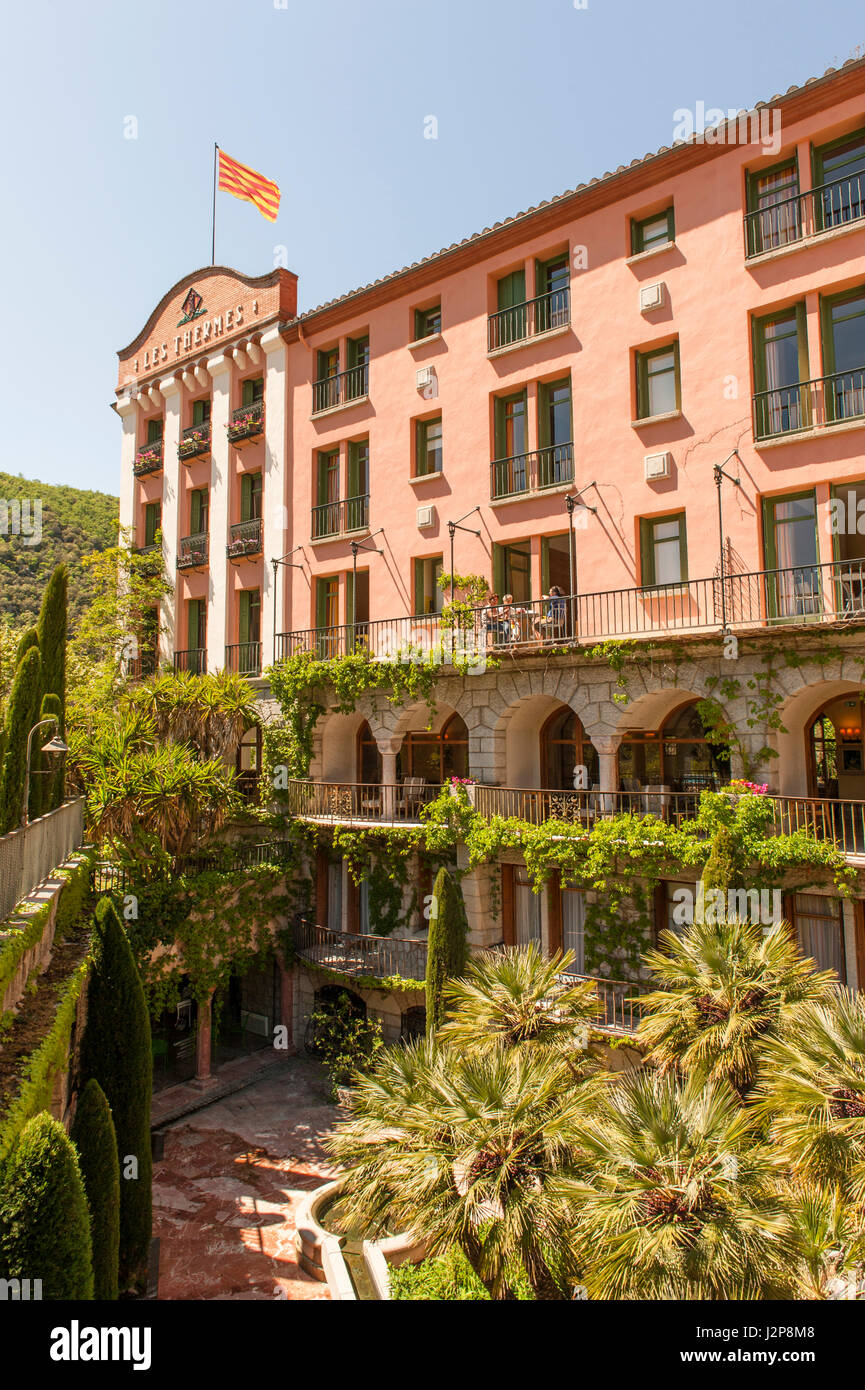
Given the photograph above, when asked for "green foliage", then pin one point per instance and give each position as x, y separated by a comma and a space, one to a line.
48, 789
44, 1223
75, 895
94, 1137
116, 1052
74, 522
721, 868
21, 715
29, 638
447, 950
448, 1277
23, 929
346, 1041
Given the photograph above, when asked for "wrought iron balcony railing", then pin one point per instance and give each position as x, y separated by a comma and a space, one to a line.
244, 538
336, 518
806, 405
331, 391
194, 442
194, 551
532, 472
243, 658
341, 802
148, 459
827, 593
246, 423
821, 209
194, 661
353, 955
540, 315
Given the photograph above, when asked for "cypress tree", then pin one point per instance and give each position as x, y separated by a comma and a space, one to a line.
115, 1051
47, 791
21, 715
447, 949
48, 775
44, 1222
721, 868
94, 1137
29, 638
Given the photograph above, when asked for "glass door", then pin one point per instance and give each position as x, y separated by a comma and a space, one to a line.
792, 557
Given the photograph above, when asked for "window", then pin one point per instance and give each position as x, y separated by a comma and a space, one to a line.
196, 629
663, 550
249, 631
510, 324
154, 431
325, 516
199, 511
527, 909
427, 322
357, 501
512, 570
252, 390
556, 562
510, 470
428, 447
791, 551
428, 597
781, 404
774, 210
844, 355
328, 363
839, 177
250, 496
152, 522
651, 232
436, 757
678, 757
552, 286
357, 376
327, 614
574, 927
819, 925
565, 751
555, 430
658, 386
201, 411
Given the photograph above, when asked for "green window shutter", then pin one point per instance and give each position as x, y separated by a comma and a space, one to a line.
671, 224
543, 415
349, 597
642, 386
802, 337
243, 616
195, 514
545, 565
499, 414
357, 471
419, 595
498, 568
246, 393
758, 330
647, 552
419, 448
246, 497
683, 549
678, 370
512, 290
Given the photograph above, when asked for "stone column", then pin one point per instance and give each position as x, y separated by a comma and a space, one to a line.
171, 619
203, 1039
607, 747
286, 1000
220, 580
274, 511
389, 748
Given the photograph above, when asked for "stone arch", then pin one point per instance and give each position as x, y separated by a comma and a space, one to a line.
336, 753
797, 713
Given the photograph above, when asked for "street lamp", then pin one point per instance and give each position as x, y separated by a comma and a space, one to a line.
355, 547
53, 747
572, 501
719, 476
454, 526
283, 560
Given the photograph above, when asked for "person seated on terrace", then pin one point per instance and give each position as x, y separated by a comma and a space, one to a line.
512, 627
552, 624
491, 620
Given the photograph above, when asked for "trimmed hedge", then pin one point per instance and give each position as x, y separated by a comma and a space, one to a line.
94, 1137
447, 950
44, 1221
115, 1051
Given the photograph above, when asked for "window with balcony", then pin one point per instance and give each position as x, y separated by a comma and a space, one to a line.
774, 216
194, 659
791, 551
839, 181
428, 447
250, 497
663, 550
512, 570
357, 367
357, 502
252, 390
510, 469
199, 511
428, 596
154, 431
148, 458
552, 305
327, 615
248, 658
649, 233
555, 432
201, 411
325, 513
782, 402
195, 439
427, 322
843, 322
658, 382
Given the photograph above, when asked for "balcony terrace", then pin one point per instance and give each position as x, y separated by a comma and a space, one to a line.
343, 388
148, 459
827, 208
547, 313
194, 443
339, 518
533, 472
194, 552
246, 424
244, 539
810, 405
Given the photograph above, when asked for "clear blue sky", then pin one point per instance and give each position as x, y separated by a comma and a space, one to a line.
327, 97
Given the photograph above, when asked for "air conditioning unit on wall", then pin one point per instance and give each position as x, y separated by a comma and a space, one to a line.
426, 516
652, 297
657, 466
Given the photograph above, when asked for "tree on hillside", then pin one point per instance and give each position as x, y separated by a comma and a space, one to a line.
447, 949
94, 1137
44, 1221
21, 715
115, 1051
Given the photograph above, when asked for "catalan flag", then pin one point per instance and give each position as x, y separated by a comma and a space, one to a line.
245, 183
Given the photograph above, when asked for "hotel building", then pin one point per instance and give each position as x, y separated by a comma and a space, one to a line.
646, 396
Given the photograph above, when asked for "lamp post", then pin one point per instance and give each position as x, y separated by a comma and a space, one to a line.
355, 547
53, 747
719, 476
572, 501
453, 527
287, 561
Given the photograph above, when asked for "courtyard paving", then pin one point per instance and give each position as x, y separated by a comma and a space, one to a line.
228, 1186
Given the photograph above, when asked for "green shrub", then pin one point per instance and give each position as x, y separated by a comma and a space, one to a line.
115, 1051
447, 951
345, 1040
52, 649
447, 1277
94, 1138
44, 1222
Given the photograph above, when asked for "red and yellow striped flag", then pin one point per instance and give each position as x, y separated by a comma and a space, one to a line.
245, 183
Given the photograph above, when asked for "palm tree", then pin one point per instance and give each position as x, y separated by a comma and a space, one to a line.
726, 989
462, 1149
210, 712
812, 1092
675, 1201
829, 1242
517, 997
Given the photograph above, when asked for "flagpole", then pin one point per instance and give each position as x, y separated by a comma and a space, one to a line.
213, 239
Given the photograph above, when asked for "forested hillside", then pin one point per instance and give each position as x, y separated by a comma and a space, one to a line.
74, 523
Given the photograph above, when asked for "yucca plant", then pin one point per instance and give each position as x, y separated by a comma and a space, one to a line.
726, 990
675, 1199
462, 1148
812, 1092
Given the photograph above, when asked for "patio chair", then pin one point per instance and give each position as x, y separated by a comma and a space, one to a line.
412, 794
